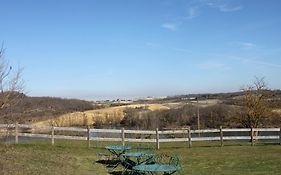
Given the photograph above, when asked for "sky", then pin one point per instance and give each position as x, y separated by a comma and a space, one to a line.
109, 49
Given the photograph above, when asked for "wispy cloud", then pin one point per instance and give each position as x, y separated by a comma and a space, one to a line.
230, 9
212, 65
224, 7
191, 12
255, 61
169, 26
150, 44
247, 45
268, 64
192, 9
182, 50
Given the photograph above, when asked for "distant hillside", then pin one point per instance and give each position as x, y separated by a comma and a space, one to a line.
74, 112
204, 96
30, 109
110, 116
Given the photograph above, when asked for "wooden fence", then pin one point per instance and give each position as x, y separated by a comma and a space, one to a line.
154, 136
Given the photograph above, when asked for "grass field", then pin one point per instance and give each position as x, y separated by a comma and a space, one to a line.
73, 157
111, 114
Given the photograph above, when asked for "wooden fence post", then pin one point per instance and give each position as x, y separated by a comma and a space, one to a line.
53, 135
88, 136
157, 139
16, 133
189, 137
252, 136
280, 137
221, 136
123, 136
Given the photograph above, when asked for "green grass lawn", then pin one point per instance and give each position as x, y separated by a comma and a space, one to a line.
73, 157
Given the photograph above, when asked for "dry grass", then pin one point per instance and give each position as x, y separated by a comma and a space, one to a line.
278, 111
112, 115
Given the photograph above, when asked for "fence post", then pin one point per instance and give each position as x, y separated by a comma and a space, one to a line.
157, 139
252, 136
53, 135
16, 133
221, 135
280, 137
189, 137
88, 136
123, 136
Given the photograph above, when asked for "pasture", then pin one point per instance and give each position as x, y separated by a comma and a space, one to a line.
73, 157
110, 114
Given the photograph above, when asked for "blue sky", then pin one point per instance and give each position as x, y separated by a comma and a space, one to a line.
108, 49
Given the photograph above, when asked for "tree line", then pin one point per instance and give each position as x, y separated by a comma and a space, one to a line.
254, 107
31, 109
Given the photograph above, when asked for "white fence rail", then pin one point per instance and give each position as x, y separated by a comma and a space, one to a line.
157, 137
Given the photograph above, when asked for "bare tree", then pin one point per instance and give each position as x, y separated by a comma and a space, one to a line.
11, 84
255, 104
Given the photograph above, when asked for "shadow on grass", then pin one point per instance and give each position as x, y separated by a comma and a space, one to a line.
124, 173
116, 172
108, 163
265, 143
111, 165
